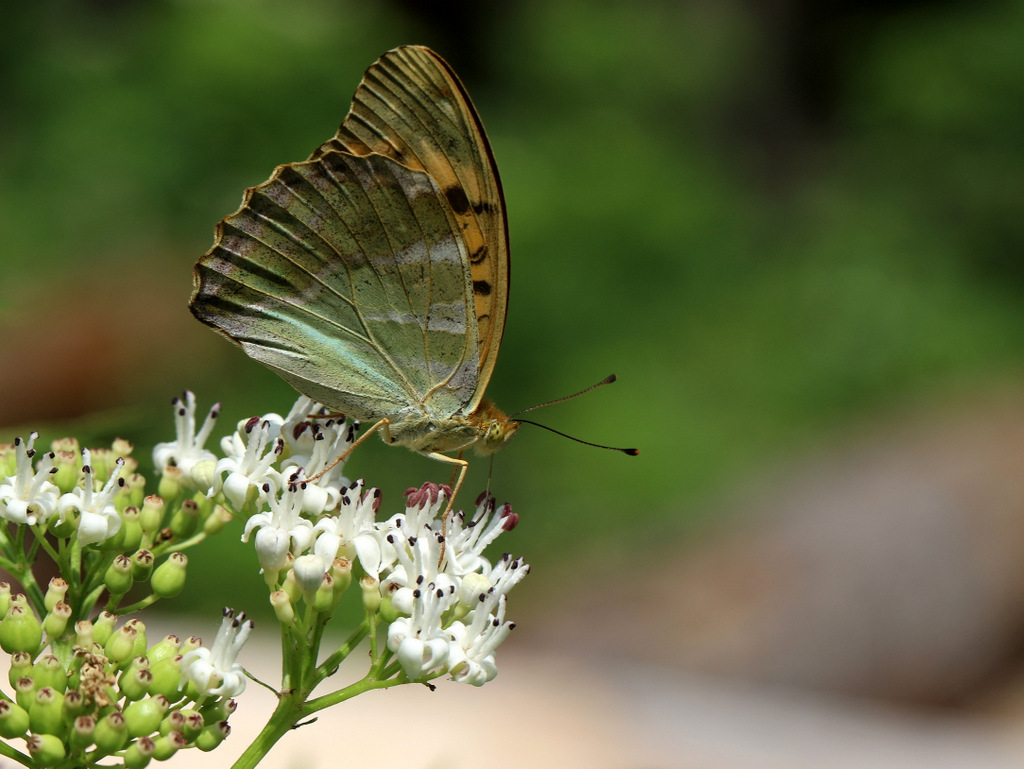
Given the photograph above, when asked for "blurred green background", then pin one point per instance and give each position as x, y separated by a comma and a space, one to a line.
772, 221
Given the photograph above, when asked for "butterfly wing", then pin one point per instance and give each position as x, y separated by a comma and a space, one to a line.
411, 107
353, 274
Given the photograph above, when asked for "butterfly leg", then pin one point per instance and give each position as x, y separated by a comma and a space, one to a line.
378, 425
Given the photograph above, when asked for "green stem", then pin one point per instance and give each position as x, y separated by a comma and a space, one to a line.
15, 755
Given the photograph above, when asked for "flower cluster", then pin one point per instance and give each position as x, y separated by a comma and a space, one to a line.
423, 573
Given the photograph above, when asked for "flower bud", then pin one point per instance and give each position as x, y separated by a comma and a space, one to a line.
103, 627
323, 599
204, 474
213, 735
80, 736
68, 464
173, 722
371, 594
341, 570
21, 666
134, 490
111, 733
192, 723
120, 647
166, 680
283, 609
218, 710
129, 537
20, 631
185, 521
118, 577
142, 565
151, 515
166, 647
169, 577
75, 705
169, 744
144, 716
25, 691
134, 685
172, 483
55, 622
13, 720
5, 597
46, 749
139, 647
47, 671
217, 520
139, 753
55, 593
46, 713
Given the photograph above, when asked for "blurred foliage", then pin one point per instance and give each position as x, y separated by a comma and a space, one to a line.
771, 220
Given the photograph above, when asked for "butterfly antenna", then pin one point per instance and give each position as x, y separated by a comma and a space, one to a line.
631, 452
607, 380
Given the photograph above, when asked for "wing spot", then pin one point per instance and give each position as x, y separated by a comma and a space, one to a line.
479, 255
457, 199
481, 288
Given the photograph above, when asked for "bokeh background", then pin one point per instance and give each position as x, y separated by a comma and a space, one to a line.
793, 229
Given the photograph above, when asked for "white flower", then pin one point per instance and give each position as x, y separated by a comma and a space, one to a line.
471, 656
320, 468
187, 450
97, 518
214, 671
280, 528
351, 531
466, 541
419, 642
248, 462
27, 496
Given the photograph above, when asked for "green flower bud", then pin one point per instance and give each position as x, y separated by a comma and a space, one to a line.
191, 643
21, 666
139, 753
144, 716
5, 597
203, 475
169, 577
81, 735
47, 671
25, 691
185, 519
46, 713
55, 593
130, 535
103, 627
134, 490
173, 722
68, 464
134, 685
13, 720
122, 448
371, 594
139, 627
120, 647
169, 744
218, 710
192, 723
83, 633
283, 608
118, 577
75, 705
55, 622
142, 565
217, 520
172, 483
46, 749
111, 733
166, 680
212, 736
20, 631
166, 647
323, 598
151, 516
341, 570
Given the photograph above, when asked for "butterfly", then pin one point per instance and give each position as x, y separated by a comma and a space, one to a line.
373, 277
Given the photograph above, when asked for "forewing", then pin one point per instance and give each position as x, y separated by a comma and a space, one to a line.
346, 275
411, 107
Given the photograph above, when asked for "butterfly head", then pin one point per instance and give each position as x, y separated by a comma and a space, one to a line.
498, 429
